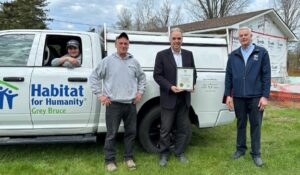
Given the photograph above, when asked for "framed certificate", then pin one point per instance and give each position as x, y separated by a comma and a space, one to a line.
185, 78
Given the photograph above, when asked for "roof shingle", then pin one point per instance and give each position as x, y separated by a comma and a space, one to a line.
213, 23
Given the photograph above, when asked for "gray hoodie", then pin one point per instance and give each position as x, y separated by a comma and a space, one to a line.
122, 78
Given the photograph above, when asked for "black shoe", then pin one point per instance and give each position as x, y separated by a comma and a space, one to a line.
257, 161
183, 159
163, 160
237, 155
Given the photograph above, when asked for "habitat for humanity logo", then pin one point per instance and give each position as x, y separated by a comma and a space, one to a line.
6, 94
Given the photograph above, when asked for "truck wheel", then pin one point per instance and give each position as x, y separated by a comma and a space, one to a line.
149, 130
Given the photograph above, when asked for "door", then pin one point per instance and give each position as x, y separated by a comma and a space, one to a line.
60, 98
17, 56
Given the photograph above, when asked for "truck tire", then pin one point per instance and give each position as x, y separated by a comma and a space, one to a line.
149, 130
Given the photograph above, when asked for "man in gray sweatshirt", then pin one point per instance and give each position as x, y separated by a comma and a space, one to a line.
122, 87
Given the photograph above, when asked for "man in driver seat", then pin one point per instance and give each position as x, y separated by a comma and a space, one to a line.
72, 58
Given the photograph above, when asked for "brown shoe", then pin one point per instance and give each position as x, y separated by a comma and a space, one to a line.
130, 164
110, 167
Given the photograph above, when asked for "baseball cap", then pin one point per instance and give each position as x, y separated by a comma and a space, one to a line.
122, 35
73, 43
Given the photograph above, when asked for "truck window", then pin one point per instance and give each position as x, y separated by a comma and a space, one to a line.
15, 49
56, 47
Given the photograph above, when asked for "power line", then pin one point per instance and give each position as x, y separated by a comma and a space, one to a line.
80, 23
71, 22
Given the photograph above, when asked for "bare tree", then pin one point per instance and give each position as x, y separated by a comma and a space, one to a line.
289, 10
163, 14
177, 16
146, 15
208, 9
168, 15
297, 59
290, 13
124, 19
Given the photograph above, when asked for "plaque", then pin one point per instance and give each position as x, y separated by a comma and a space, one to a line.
185, 78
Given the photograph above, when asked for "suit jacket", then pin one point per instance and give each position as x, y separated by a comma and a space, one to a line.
165, 71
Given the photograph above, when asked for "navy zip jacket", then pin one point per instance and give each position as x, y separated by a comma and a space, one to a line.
252, 80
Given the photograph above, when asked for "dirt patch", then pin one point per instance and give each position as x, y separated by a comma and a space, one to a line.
293, 72
283, 119
285, 104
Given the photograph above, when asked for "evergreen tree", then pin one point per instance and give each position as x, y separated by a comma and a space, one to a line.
23, 14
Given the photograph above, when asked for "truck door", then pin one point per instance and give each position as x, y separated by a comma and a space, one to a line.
17, 56
60, 97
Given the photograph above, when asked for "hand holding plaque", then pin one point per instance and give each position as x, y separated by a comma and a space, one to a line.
185, 78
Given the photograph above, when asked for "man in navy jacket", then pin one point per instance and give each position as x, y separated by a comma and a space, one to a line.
247, 89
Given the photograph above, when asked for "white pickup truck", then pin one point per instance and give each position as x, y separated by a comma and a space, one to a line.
40, 103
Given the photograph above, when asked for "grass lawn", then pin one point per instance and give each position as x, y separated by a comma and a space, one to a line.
209, 153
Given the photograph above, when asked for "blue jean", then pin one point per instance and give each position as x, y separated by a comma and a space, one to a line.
248, 108
116, 112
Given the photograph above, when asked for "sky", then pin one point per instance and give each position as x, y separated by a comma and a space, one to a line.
83, 15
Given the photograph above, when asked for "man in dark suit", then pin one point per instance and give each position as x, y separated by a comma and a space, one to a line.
174, 101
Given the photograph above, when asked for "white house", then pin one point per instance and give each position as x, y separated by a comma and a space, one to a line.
268, 28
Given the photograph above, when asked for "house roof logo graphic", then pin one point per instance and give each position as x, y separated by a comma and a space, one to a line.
6, 94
